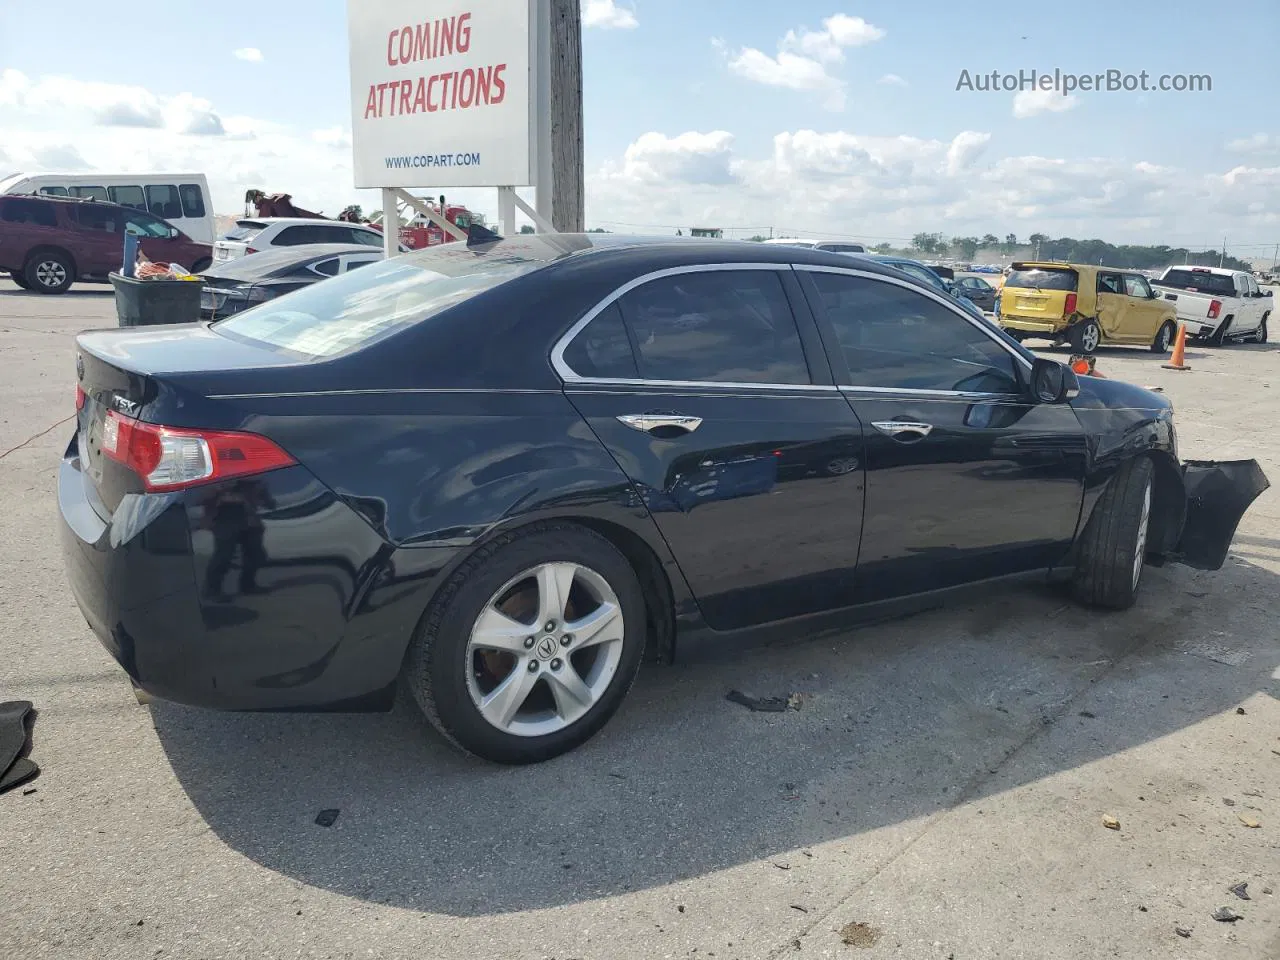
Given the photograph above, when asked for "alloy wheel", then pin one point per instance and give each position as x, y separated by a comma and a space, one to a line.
51, 273
1089, 337
1140, 547
544, 649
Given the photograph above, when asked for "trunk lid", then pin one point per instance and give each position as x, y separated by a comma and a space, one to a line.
1039, 293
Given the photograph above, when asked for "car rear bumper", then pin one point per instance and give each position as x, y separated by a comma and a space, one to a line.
1031, 324
234, 615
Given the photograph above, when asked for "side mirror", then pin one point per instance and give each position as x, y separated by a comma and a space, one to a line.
1053, 382
1266, 293
174, 233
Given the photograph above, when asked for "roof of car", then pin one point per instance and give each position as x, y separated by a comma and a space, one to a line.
279, 258
271, 220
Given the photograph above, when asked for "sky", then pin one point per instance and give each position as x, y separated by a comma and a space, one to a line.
802, 118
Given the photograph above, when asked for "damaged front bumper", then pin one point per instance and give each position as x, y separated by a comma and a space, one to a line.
1217, 496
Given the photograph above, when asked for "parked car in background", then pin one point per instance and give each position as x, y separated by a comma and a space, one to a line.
47, 243
832, 246
1085, 305
500, 474
180, 199
235, 285
978, 290
255, 234
1217, 304
927, 275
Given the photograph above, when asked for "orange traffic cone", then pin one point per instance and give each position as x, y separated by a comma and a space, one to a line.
1176, 362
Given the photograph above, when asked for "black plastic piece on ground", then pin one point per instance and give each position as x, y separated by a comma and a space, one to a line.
22, 771
758, 704
327, 818
13, 731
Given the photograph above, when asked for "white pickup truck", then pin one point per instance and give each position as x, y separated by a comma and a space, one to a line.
1217, 304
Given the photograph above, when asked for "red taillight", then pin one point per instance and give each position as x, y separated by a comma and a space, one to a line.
79, 397
172, 459
248, 250
1071, 304
1215, 307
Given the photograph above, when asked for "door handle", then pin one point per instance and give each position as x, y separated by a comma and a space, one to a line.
904, 431
670, 423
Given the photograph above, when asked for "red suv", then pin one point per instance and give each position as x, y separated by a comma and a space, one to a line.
46, 243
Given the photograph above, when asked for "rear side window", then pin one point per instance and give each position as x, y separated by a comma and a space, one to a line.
895, 337
603, 349
310, 233
89, 193
128, 197
723, 326
163, 201
244, 231
367, 237
18, 210
328, 267
1043, 279
355, 309
192, 200
90, 216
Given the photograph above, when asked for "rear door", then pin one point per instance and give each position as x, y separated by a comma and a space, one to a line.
967, 479
99, 246
715, 399
1113, 305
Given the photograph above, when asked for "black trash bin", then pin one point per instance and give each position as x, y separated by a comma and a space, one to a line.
145, 303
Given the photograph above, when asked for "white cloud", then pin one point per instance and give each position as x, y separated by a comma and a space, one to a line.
1032, 103
59, 157
804, 57
892, 80
251, 54
965, 148
690, 158
1258, 143
109, 104
607, 15
332, 137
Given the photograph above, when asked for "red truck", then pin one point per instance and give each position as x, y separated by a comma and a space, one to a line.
420, 233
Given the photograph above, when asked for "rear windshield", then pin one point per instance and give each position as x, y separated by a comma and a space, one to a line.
244, 230
1043, 279
358, 308
1200, 282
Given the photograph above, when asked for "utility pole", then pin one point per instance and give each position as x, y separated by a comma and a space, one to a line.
1223, 255
560, 160
1274, 257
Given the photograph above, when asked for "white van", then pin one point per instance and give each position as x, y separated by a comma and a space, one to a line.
180, 198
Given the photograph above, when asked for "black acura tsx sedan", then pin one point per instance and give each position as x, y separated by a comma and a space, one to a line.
495, 475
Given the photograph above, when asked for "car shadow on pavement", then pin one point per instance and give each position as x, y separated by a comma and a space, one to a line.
896, 721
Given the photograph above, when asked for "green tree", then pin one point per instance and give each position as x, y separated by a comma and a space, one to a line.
965, 247
1010, 241
989, 240
526, 229
883, 248
928, 242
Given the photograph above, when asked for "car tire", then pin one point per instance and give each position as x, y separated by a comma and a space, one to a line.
1112, 548
21, 281
556, 699
1163, 342
1260, 335
1219, 336
1086, 336
200, 266
49, 272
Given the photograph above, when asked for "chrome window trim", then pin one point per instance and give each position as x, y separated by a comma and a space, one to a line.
963, 314
567, 374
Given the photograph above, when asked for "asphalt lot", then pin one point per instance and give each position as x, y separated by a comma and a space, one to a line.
943, 783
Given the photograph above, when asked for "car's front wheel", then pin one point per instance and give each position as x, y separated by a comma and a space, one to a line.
1086, 336
531, 645
1113, 547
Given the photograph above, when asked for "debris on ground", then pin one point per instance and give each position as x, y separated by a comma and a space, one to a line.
1241, 890
759, 704
1228, 801
1184, 932
1227, 915
796, 906
680, 908
1249, 821
783, 865
1240, 711
1267, 891
859, 935
1088, 715
1111, 823
327, 818
790, 791
1253, 793
16, 719
794, 701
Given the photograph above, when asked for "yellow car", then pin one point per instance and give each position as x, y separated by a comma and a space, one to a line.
1085, 306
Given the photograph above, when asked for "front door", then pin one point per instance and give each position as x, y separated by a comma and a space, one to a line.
1145, 313
745, 455
967, 478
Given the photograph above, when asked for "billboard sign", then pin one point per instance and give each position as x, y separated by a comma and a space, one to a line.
441, 92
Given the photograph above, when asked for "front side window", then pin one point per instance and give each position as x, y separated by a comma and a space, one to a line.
34, 212
54, 191
1136, 286
144, 225
163, 201
192, 200
602, 349
895, 337
367, 237
723, 326
128, 197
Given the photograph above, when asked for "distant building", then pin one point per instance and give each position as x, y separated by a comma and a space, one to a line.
715, 233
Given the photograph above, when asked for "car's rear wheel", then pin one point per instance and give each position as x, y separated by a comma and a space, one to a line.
1260, 336
1113, 547
1163, 342
49, 272
531, 645
1086, 336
